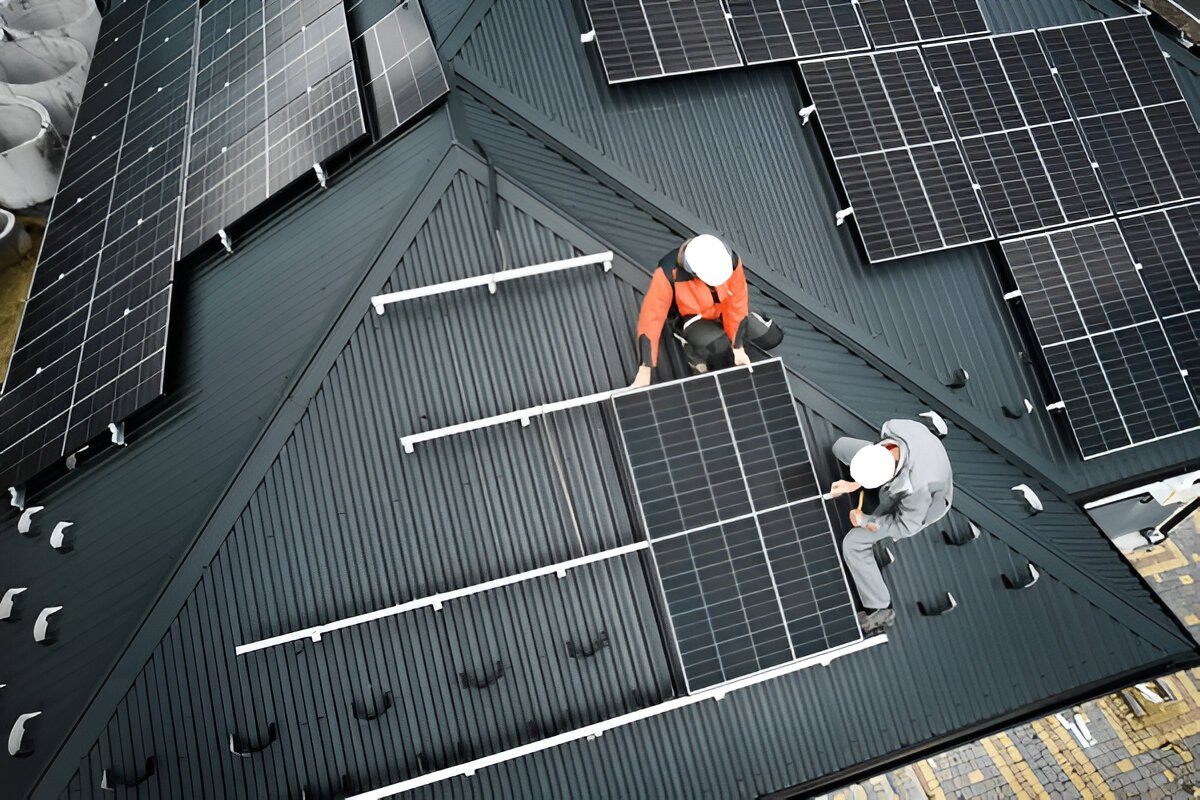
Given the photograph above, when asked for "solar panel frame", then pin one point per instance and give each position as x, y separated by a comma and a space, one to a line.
892, 23
1017, 132
903, 172
1130, 109
629, 49
785, 30
1105, 343
402, 72
759, 432
123, 181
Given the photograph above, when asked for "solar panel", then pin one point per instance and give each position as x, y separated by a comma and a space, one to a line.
779, 30
1130, 109
892, 22
1166, 245
742, 545
109, 247
652, 38
403, 73
275, 95
1118, 376
1016, 128
895, 153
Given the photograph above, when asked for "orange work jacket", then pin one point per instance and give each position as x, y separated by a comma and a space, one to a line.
674, 293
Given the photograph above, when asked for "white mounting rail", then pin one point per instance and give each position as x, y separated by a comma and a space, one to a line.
600, 728
435, 601
521, 415
490, 281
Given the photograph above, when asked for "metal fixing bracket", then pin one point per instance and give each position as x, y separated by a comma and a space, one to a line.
841, 215
807, 112
226, 242
320, 175
117, 429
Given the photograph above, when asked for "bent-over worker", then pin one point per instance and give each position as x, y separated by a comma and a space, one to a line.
910, 468
700, 289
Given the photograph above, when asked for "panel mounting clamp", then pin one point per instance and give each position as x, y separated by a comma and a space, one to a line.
226, 242
117, 429
320, 175
587, 38
841, 215
16, 497
807, 112
1013, 295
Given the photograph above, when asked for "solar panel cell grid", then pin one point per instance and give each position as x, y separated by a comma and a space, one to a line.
1135, 172
756, 584
892, 22
1142, 61
691, 35
775, 30
1167, 246
849, 94
403, 71
1151, 393
911, 97
807, 570
722, 603
1090, 68
1084, 391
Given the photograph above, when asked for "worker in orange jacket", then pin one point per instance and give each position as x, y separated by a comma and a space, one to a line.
699, 290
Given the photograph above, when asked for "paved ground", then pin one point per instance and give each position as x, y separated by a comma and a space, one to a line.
14, 288
1119, 754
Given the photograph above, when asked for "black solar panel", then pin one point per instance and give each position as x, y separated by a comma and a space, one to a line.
1021, 143
275, 95
402, 71
892, 22
109, 247
1118, 375
742, 544
895, 153
779, 30
652, 38
1132, 114
1166, 245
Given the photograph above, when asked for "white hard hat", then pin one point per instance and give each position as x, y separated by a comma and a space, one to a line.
707, 257
873, 466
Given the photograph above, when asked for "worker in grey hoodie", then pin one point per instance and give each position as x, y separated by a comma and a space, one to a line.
911, 470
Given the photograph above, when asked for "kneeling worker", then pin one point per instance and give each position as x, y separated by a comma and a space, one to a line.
912, 472
700, 288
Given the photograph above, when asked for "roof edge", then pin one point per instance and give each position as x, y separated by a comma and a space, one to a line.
95, 713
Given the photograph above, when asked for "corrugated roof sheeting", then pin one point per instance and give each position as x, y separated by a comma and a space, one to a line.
729, 148
425, 659
912, 690
344, 454
245, 324
828, 364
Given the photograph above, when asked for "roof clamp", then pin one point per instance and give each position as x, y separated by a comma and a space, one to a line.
226, 242
378, 708
9, 602
1016, 412
1024, 578
608, 265
320, 176
1059, 406
1029, 497
109, 780
25, 523
936, 423
19, 745
943, 605
243, 749
58, 537
883, 553
958, 379
807, 112
16, 497
587, 38
117, 429
1013, 295
957, 538
841, 215
41, 626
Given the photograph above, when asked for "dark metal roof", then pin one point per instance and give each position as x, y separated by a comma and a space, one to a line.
271, 494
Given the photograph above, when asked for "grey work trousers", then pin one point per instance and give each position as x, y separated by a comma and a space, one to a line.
857, 546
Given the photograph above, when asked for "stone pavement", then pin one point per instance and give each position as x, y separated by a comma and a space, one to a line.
1120, 746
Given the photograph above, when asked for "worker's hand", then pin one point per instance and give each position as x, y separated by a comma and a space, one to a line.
856, 519
642, 378
839, 488
740, 358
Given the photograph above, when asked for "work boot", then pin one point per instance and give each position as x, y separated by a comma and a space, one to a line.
877, 620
